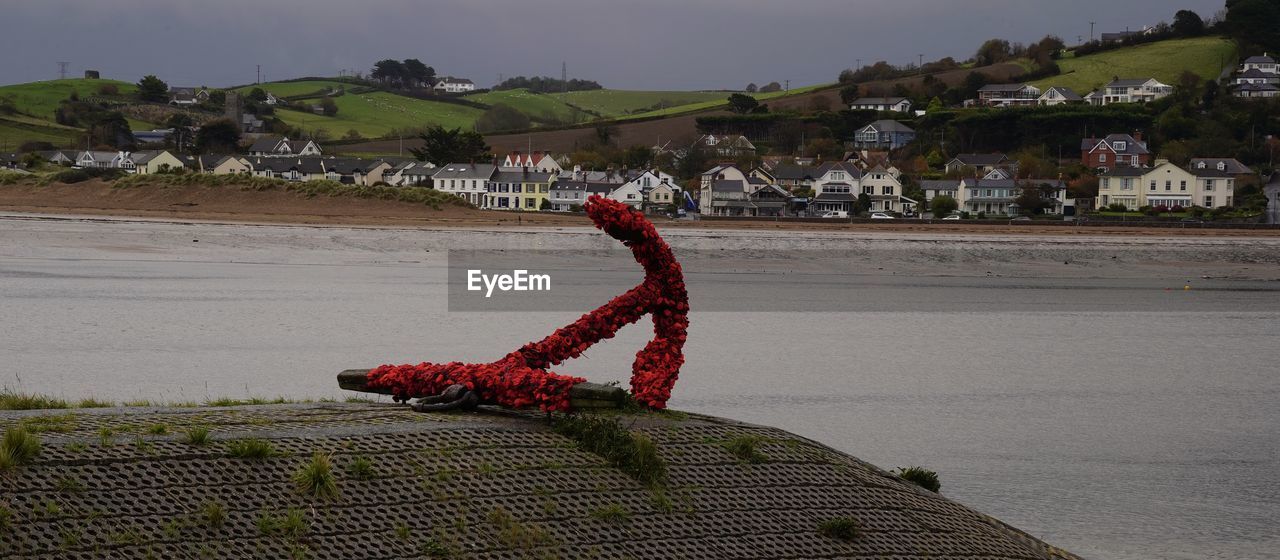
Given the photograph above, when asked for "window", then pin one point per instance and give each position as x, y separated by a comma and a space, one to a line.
1208, 202
869, 190
1153, 186
530, 203
1121, 146
1168, 185
1102, 158
1126, 184
1208, 184
1182, 186
887, 190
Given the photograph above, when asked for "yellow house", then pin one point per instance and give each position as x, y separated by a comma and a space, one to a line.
1165, 185
154, 161
518, 189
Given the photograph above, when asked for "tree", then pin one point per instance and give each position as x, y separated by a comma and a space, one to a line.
1188, 23
109, 128
742, 104
863, 203
389, 72
151, 88
328, 106
992, 51
943, 205
220, 135
935, 104
771, 87
1253, 23
605, 133
751, 88
502, 117
181, 124
637, 157
850, 93
1032, 199
443, 146
418, 74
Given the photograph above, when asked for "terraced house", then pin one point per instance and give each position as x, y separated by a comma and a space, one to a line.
467, 180
518, 189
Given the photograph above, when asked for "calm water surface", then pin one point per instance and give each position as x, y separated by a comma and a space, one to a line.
1148, 427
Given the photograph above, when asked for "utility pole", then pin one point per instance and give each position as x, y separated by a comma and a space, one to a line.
859, 65
921, 64
1091, 24
788, 86
62, 69
259, 74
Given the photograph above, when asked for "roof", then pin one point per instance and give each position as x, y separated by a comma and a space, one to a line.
1066, 93
834, 197
794, 172
1129, 82
265, 144
728, 186
506, 175
307, 165
1260, 60
939, 184
980, 159
1231, 165
879, 100
1132, 145
886, 125
466, 483
853, 170
452, 80
1003, 87
465, 171
1211, 173
1258, 73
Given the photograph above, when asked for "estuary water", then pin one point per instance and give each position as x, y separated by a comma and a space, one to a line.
1119, 399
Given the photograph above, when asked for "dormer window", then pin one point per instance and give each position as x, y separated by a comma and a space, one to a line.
1120, 146
1200, 165
1222, 166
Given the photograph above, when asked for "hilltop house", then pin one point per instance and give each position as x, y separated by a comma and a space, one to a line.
979, 163
1139, 90
629, 194
186, 96
100, 159
1166, 185
276, 146
449, 84
1116, 150
1008, 95
729, 146
1058, 95
466, 180
662, 196
883, 135
895, 104
1259, 76
1262, 63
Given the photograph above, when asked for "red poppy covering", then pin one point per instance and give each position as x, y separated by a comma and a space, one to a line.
521, 379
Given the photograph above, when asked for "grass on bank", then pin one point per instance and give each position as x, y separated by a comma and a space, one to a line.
634, 453
1162, 60
18, 447
415, 195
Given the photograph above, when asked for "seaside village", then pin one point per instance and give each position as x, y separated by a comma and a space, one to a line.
864, 182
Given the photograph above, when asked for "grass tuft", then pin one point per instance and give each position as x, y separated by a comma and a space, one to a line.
94, 403
360, 468
316, 478
252, 449
23, 401
214, 514
612, 513
921, 477
746, 449
18, 447
196, 435
840, 528
68, 484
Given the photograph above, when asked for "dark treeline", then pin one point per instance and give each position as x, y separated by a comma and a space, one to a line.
544, 84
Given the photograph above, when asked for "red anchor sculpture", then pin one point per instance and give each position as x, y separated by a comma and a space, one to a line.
521, 379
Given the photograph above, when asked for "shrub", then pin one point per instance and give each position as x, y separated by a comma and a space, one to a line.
316, 478
921, 477
18, 447
840, 528
252, 449
1177, 208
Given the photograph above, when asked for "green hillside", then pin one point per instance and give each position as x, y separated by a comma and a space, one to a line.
379, 113
616, 103
40, 99
14, 133
299, 88
537, 105
1164, 61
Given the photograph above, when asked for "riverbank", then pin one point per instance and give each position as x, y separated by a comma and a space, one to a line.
277, 206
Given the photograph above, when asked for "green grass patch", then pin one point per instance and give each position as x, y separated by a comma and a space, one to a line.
298, 88
24, 401
515, 534
196, 435
617, 103
293, 524
634, 453
376, 114
40, 99
316, 478
360, 468
18, 447
611, 513
252, 449
15, 131
1163, 60
213, 514
545, 107
68, 484
94, 403
746, 448
921, 477
844, 529
58, 423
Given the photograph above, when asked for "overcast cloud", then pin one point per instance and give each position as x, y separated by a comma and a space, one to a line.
654, 44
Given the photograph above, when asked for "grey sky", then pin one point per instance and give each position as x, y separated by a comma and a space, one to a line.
650, 44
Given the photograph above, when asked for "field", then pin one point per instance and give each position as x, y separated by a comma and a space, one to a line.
617, 103
40, 99
15, 132
293, 89
721, 99
536, 105
379, 113
1164, 61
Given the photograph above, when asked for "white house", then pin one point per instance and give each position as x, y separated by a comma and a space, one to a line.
1263, 63
835, 188
450, 84
466, 180
1008, 95
628, 194
277, 146
884, 188
97, 159
1166, 185
895, 104
1139, 90
1058, 95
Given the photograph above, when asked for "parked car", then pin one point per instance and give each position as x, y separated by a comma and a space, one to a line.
836, 214
881, 216
952, 217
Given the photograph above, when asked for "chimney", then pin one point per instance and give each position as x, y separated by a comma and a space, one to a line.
1137, 135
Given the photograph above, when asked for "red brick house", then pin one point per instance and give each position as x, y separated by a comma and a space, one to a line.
1116, 150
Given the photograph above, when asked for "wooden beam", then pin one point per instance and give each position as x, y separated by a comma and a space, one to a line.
582, 395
